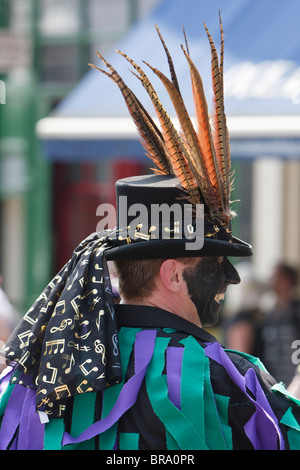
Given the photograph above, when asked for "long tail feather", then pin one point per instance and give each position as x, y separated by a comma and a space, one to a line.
220, 131
151, 136
179, 158
211, 197
170, 61
204, 131
200, 159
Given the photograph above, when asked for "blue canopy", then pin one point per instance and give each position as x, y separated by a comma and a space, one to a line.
261, 74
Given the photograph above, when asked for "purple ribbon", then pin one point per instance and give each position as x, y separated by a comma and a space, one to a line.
144, 347
12, 416
31, 431
262, 428
174, 365
21, 412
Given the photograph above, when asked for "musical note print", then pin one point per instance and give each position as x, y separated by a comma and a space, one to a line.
101, 312
53, 376
115, 344
60, 391
70, 361
65, 338
56, 343
26, 334
84, 370
100, 349
60, 308
85, 336
62, 326
79, 388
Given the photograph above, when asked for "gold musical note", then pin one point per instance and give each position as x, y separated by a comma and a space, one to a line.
44, 401
101, 376
98, 322
85, 336
94, 303
84, 348
97, 282
58, 306
59, 391
93, 291
53, 376
61, 408
97, 268
23, 360
139, 234
79, 389
73, 280
55, 281
55, 342
100, 349
28, 318
84, 370
71, 361
76, 307
62, 326
26, 334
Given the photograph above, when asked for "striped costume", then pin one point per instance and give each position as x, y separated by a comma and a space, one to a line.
180, 392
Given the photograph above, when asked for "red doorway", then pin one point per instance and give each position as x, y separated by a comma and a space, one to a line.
79, 188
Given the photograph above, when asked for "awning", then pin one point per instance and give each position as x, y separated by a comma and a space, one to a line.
262, 81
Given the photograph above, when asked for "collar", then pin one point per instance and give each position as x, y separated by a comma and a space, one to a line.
143, 316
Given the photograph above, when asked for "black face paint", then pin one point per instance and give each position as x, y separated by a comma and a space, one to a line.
209, 277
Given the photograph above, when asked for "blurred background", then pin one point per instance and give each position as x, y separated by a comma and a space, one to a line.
65, 134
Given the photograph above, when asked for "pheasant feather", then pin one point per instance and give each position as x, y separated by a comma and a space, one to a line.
151, 136
204, 131
199, 158
179, 158
220, 131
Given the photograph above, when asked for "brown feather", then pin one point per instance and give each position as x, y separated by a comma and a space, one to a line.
176, 149
170, 61
151, 137
204, 130
220, 131
211, 197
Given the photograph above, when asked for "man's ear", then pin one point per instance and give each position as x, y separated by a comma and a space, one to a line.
170, 275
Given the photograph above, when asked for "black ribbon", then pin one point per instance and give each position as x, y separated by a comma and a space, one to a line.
67, 342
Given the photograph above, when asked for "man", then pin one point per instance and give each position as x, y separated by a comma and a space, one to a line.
144, 374
281, 325
182, 286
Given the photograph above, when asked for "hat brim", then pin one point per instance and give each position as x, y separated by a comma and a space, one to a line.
178, 248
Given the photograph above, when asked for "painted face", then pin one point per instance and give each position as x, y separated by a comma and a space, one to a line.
207, 282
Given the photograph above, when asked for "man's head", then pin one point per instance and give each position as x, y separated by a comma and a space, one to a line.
188, 287
284, 280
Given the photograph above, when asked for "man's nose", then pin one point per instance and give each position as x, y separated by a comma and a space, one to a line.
231, 274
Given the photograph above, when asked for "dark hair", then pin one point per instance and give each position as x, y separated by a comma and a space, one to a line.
289, 272
137, 277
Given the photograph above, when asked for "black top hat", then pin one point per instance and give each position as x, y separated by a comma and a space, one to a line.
155, 220
197, 161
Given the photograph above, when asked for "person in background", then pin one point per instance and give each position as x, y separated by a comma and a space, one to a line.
281, 325
243, 312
